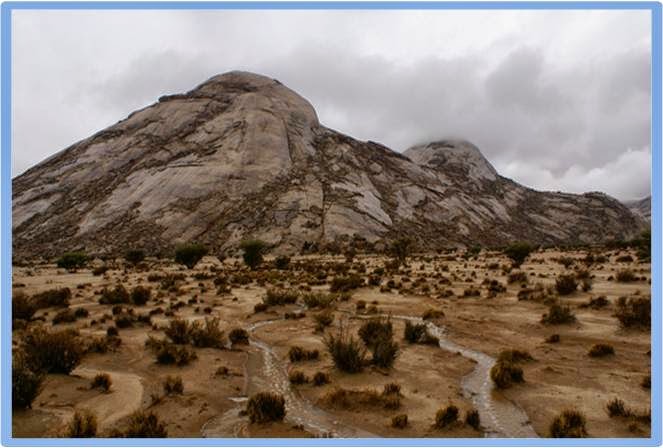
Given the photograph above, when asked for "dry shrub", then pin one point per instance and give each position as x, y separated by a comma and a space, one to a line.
173, 385
275, 297
347, 352
558, 314
168, 353
53, 352
297, 353
140, 295
114, 296
208, 335
569, 424
23, 307
298, 377
53, 297
238, 336
82, 424
517, 277
634, 312
346, 283
320, 379
26, 383
472, 419
566, 284
600, 350
318, 299
625, 276
446, 416
505, 373
142, 424
361, 399
266, 407
432, 314
101, 381
399, 421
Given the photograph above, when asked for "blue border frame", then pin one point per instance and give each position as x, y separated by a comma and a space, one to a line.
5, 213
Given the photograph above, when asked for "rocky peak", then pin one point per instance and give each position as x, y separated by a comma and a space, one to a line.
453, 156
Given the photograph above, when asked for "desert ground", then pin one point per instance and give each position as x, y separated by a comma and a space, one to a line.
470, 309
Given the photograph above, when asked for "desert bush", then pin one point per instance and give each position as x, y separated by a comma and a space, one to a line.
414, 332
323, 320
172, 385
190, 254
446, 416
384, 352
517, 277
115, 296
566, 261
26, 382
558, 314
143, 424
552, 339
599, 350
374, 329
52, 352
318, 299
505, 373
569, 424
101, 381
253, 252
347, 352
400, 249
282, 262
399, 421
260, 307
625, 276
298, 377
518, 252
82, 424
617, 408
361, 399
53, 297
514, 356
596, 303
265, 407
320, 379
140, 295
472, 419
168, 353
346, 283
275, 297
238, 336
634, 312
134, 256
624, 259
566, 284
22, 306
178, 331
208, 335
72, 261
65, 316
297, 353
432, 314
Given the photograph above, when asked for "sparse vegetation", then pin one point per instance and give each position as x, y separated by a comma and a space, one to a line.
346, 283
446, 416
569, 424
265, 407
82, 424
566, 284
558, 314
347, 352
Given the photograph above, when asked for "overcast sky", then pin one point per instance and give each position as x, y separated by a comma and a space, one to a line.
556, 100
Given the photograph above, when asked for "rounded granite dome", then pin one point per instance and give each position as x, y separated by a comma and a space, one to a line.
453, 155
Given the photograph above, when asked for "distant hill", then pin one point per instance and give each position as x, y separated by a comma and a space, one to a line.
241, 156
641, 207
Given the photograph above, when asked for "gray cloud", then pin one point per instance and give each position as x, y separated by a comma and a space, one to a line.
555, 100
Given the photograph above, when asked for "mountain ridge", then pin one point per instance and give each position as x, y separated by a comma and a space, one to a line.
241, 155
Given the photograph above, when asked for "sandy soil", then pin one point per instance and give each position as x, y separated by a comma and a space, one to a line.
561, 376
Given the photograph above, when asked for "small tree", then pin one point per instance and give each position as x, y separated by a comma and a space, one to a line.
400, 249
253, 251
190, 254
518, 252
134, 256
72, 261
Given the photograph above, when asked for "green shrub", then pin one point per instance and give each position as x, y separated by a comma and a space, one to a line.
52, 352
558, 314
282, 262
140, 295
143, 424
634, 312
320, 379
566, 284
346, 283
172, 385
101, 381
446, 416
72, 261
399, 421
472, 419
22, 307
115, 296
347, 352
253, 252
83, 424
266, 407
53, 297
190, 254
518, 252
26, 383
569, 424
600, 350
238, 336
134, 256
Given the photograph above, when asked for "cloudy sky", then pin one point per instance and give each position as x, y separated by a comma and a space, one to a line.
556, 100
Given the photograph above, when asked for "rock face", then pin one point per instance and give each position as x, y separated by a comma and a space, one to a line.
242, 155
641, 207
